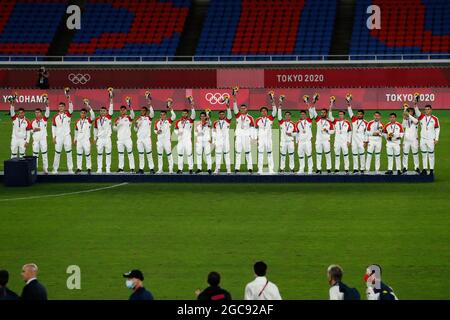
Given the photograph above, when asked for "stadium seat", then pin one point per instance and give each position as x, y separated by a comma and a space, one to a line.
409, 28
267, 27
28, 27
130, 28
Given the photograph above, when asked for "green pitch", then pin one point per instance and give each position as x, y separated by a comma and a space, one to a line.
177, 233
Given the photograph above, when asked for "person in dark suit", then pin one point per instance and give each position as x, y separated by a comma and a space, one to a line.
5, 293
134, 281
33, 290
214, 292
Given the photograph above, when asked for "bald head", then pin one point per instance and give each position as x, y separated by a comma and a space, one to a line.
29, 271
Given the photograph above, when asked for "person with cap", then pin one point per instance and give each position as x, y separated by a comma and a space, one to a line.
261, 288
5, 293
134, 281
214, 292
33, 289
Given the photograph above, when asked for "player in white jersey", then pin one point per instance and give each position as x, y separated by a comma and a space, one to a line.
183, 129
374, 141
61, 133
245, 133
410, 139
82, 139
393, 132
263, 126
342, 139
21, 132
429, 136
202, 135
325, 128
359, 126
39, 134
123, 127
102, 136
143, 128
303, 130
163, 138
287, 144
221, 138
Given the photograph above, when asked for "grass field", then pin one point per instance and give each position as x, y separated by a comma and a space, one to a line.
177, 233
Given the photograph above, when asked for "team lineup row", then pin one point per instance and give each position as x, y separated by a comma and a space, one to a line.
364, 138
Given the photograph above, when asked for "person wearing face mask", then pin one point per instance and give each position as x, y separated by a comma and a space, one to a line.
134, 281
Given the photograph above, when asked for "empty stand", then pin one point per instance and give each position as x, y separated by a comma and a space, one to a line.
28, 27
407, 27
130, 28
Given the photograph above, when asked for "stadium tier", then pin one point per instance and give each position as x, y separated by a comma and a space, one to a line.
28, 27
269, 27
130, 27
407, 27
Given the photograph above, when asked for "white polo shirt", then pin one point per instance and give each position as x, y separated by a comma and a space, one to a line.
261, 289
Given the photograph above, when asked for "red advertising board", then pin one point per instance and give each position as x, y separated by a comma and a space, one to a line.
250, 78
364, 98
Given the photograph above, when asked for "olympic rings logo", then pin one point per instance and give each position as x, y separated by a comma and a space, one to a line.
215, 98
79, 78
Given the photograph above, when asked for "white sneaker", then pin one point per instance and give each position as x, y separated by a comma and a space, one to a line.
300, 172
99, 171
55, 172
170, 171
260, 172
70, 172
159, 172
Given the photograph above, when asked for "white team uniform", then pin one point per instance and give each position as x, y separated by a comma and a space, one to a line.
261, 289
221, 140
102, 136
325, 129
287, 144
303, 128
143, 127
410, 141
374, 143
123, 127
202, 134
21, 134
39, 133
342, 137
263, 126
335, 293
359, 127
429, 133
245, 132
61, 133
83, 139
183, 129
393, 145
163, 141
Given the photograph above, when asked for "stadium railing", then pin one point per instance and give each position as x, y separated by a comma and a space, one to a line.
232, 59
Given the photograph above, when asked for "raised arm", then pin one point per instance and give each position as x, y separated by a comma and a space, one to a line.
12, 112
229, 116
91, 112
274, 109
70, 105
235, 105
349, 110
416, 110
330, 112
173, 116
280, 115
47, 110
413, 119
192, 112
111, 107
151, 112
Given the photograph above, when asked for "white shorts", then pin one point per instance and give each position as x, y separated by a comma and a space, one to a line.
426, 145
144, 145
40, 146
304, 148
83, 146
164, 146
18, 145
222, 146
65, 142
287, 147
126, 144
104, 144
323, 146
243, 144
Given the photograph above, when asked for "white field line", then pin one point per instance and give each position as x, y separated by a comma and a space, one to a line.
64, 194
